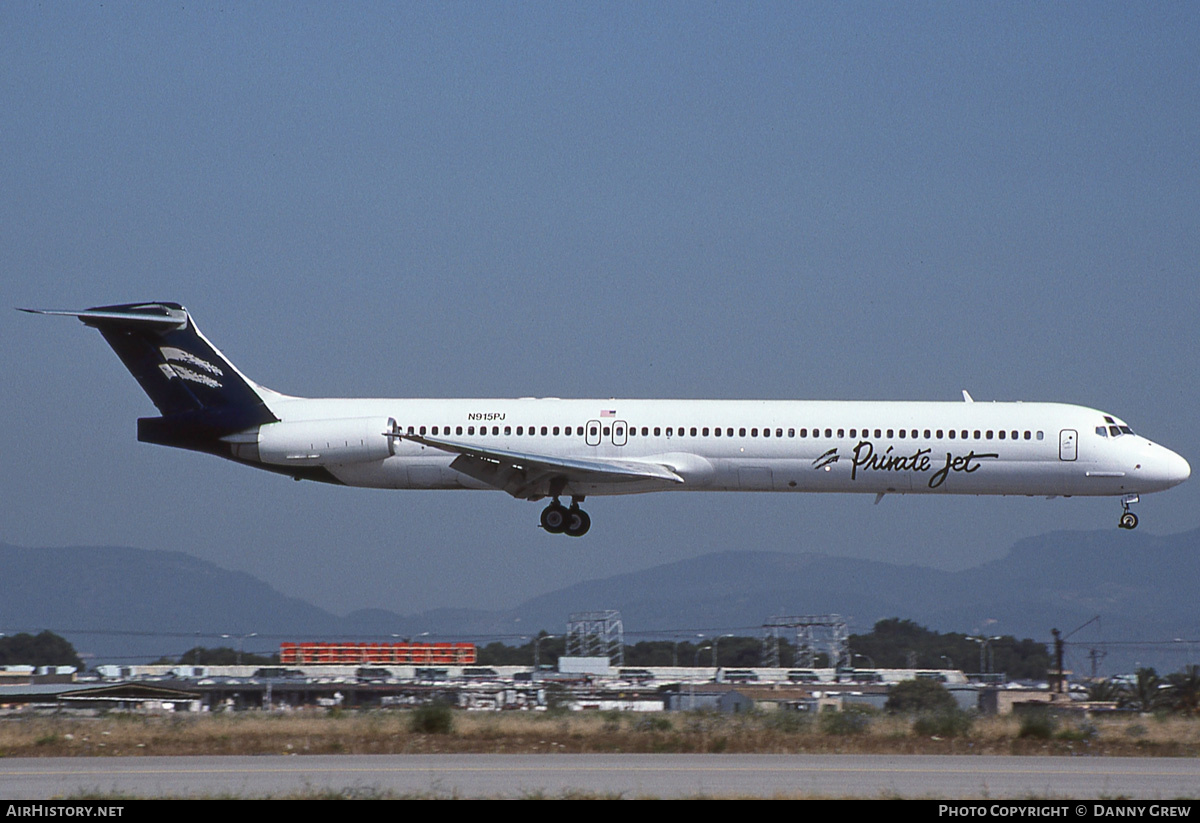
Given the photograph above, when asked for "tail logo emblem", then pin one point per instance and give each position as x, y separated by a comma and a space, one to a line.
175, 356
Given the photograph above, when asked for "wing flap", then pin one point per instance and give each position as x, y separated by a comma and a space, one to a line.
522, 474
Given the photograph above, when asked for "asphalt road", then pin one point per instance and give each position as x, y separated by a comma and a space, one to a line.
628, 776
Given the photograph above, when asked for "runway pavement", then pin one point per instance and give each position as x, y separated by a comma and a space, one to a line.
627, 776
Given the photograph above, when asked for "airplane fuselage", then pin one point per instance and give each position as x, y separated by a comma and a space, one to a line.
534, 448
735, 445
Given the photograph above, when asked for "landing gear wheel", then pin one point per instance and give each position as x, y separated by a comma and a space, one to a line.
1129, 520
554, 518
578, 522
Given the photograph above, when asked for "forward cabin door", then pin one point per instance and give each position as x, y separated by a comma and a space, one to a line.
1068, 442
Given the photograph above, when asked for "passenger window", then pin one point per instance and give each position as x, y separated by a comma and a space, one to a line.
507, 431
742, 432
693, 432
422, 430
853, 433
902, 434
952, 433
804, 432
791, 432
977, 434
779, 432
989, 434
657, 431
458, 430
546, 431
645, 431
1001, 434
927, 434
829, 433
766, 432
939, 434
1039, 435
470, 429
1027, 435
729, 432
705, 431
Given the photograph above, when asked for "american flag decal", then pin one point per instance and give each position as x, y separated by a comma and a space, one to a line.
608, 412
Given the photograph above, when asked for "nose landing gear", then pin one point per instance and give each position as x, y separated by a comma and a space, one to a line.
558, 519
1128, 520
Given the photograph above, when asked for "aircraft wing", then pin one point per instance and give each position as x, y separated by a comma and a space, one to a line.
526, 475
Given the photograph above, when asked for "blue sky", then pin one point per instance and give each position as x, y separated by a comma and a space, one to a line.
768, 200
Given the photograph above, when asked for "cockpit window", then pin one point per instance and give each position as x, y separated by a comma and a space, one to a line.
1113, 429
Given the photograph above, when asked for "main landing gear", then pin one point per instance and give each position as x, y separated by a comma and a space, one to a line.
573, 521
1128, 519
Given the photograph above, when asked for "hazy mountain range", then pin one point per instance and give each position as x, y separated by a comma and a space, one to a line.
139, 604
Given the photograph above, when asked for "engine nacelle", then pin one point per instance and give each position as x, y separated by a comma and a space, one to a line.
325, 442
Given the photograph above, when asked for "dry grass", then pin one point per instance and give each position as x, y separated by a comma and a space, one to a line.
390, 732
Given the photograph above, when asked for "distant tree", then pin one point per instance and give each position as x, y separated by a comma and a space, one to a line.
43, 649
1183, 690
1145, 693
224, 656
1104, 691
503, 654
895, 643
920, 696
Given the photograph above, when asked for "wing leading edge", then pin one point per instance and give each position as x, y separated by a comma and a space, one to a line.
530, 476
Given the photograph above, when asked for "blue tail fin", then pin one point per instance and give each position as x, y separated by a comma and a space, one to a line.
201, 395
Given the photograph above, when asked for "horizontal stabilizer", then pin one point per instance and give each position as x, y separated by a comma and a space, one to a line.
150, 316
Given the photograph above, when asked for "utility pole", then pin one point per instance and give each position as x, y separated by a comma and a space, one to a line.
1058, 661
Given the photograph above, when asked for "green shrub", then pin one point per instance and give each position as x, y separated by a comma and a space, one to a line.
954, 723
653, 723
852, 720
1038, 725
788, 721
920, 696
432, 718
1078, 731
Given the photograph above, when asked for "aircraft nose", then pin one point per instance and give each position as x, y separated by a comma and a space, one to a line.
1169, 469
1178, 469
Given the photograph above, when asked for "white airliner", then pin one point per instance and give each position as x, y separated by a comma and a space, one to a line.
534, 448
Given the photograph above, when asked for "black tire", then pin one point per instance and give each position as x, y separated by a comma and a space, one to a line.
578, 523
1129, 520
554, 518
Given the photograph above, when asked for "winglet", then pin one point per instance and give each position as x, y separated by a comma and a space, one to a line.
967, 397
